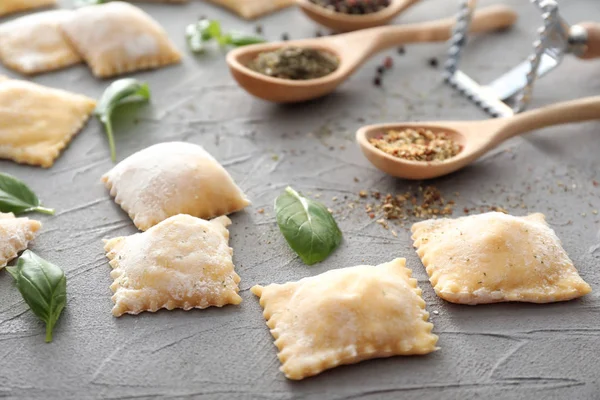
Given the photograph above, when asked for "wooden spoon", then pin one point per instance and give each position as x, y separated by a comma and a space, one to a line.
340, 22
476, 137
352, 50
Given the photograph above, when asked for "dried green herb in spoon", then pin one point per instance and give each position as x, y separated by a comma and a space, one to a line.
119, 92
295, 63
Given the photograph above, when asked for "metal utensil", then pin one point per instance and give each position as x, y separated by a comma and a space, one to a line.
511, 93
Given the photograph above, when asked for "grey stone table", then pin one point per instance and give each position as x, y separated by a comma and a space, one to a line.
505, 351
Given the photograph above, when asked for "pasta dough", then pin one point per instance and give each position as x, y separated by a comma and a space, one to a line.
13, 6
183, 262
34, 43
495, 257
116, 38
251, 9
173, 178
15, 235
345, 316
37, 122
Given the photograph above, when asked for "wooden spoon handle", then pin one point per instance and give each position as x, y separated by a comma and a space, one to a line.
593, 43
484, 20
585, 109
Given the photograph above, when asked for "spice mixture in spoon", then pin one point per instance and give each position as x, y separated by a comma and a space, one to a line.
295, 63
357, 7
417, 144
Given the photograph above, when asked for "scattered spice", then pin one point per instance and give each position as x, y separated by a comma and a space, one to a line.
295, 63
258, 29
377, 81
388, 62
260, 211
401, 50
285, 37
417, 144
380, 70
355, 7
433, 62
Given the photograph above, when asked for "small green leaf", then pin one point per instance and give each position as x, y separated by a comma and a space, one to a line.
205, 30
308, 227
119, 92
83, 3
16, 197
238, 39
43, 286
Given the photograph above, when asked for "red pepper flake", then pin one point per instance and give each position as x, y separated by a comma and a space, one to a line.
595, 183
388, 62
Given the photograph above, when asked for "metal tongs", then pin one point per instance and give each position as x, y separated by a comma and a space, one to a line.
511, 93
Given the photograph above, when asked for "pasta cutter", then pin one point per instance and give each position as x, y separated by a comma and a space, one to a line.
511, 93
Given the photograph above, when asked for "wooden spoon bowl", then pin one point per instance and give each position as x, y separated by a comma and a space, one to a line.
475, 137
352, 50
340, 22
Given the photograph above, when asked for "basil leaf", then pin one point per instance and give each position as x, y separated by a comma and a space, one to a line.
238, 39
16, 197
43, 286
307, 225
119, 92
204, 30
83, 3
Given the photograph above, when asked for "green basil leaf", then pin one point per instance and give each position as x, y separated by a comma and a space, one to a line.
43, 286
307, 225
16, 197
83, 3
239, 39
119, 92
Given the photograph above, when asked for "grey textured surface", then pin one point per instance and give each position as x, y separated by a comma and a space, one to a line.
506, 351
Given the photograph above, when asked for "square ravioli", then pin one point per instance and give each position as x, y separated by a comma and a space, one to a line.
34, 43
494, 257
250, 9
345, 316
183, 262
13, 6
15, 235
37, 122
173, 178
116, 38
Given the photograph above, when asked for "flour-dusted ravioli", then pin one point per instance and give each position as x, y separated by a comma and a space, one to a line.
345, 316
116, 38
15, 235
34, 43
183, 262
494, 257
251, 9
13, 6
173, 178
37, 122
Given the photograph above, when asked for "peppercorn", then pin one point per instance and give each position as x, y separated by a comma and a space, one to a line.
377, 81
433, 62
380, 70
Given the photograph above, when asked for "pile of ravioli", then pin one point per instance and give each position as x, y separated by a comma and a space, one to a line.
179, 196
112, 38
